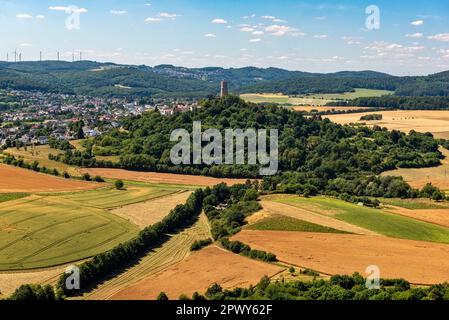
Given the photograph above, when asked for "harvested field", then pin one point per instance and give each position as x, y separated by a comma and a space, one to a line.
417, 261
9, 282
13, 179
436, 216
418, 178
171, 252
147, 213
324, 109
155, 177
312, 217
197, 273
434, 121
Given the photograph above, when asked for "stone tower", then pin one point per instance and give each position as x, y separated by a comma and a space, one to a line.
224, 89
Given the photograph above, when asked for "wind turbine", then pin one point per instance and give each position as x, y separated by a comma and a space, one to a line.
40, 56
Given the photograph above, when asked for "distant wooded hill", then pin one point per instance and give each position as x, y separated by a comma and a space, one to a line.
112, 80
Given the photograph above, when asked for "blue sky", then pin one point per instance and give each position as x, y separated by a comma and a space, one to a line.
316, 36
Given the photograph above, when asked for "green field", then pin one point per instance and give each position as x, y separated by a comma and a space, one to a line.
313, 99
113, 198
376, 220
414, 204
12, 196
47, 230
284, 223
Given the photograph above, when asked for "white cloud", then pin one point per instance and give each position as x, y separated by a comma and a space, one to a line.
40, 17
147, 4
68, 9
444, 37
210, 35
219, 21
352, 40
268, 17
320, 36
118, 12
24, 16
152, 20
417, 23
168, 15
414, 35
247, 29
280, 31
26, 45
320, 18
255, 40
258, 33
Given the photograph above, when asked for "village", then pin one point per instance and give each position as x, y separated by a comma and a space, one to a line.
32, 118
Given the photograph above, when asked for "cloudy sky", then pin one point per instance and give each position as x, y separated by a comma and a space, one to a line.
409, 38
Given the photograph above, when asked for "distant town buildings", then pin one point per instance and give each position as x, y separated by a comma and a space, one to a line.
224, 89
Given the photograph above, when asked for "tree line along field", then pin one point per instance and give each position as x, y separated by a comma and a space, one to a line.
45, 230
312, 99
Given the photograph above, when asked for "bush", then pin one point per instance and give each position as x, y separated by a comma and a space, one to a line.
119, 184
199, 244
98, 179
86, 177
162, 296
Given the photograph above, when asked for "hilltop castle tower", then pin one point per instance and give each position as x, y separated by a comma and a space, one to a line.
224, 89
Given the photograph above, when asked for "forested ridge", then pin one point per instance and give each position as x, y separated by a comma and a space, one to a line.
113, 80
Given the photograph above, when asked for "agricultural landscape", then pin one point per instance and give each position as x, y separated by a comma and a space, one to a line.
294, 179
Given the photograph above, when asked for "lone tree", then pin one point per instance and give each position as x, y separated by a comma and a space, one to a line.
119, 184
162, 296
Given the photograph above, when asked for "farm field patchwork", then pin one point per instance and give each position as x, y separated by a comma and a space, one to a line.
18, 180
47, 230
171, 252
382, 222
198, 272
40, 232
417, 261
282, 207
312, 99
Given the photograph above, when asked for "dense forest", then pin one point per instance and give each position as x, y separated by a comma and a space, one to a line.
315, 155
113, 80
396, 102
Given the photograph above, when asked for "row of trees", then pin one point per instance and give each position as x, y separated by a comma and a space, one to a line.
338, 287
398, 102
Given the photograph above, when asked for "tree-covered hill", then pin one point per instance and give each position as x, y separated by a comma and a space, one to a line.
108, 79
313, 152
